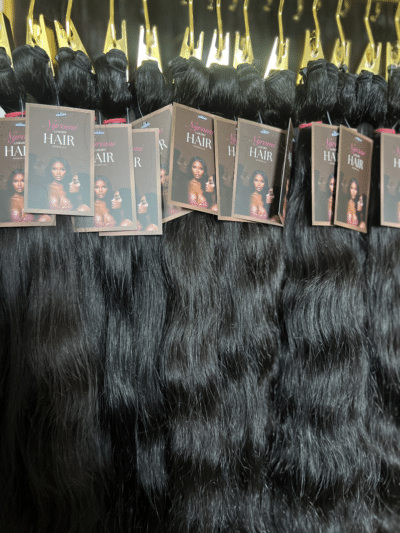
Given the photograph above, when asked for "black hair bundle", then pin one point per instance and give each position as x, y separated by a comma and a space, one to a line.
191, 81
253, 96
280, 87
382, 298
194, 381
133, 403
33, 71
133, 408
76, 83
64, 450
150, 89
322, 468
12, 94
114, 96
52, 422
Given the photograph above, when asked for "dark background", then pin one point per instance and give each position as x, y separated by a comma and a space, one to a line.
171, 18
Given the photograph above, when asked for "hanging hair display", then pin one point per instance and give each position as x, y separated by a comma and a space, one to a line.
225, 376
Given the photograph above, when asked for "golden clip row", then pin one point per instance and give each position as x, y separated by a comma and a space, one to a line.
42, 33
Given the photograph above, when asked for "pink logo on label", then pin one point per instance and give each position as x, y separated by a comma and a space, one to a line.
195, 127
397, 152
330, 144
137, 148
260, 142
55, 126
355, 150
106, 144
233, 139
15, 137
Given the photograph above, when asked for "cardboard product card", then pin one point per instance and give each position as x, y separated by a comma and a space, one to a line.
146, 161
12, 177
225, 132
325, 143
162, 119
113, 184
260, 156
354, 177
287, 170
193, 180
59, 165
390, 180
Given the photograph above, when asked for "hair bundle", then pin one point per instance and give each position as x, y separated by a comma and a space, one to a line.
326, 475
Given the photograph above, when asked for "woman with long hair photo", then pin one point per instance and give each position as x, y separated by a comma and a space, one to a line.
79, 192
201, 187
355, 205
148, 213
259, 182
15, 188
331, 192
102, 205
121, 206
58, 174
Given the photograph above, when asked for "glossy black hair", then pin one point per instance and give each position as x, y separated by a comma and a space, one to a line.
382, 300
325, 479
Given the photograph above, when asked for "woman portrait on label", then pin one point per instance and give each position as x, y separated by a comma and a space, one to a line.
15, 188
243, 191
167, 208
225, 190
258, 207
79, 192
331, 192
201, 187
58, 174
147, 211
121, 206
355, 205
179, 173
102, 206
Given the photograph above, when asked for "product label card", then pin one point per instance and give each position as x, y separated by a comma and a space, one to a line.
287, 169
225, 151
354, 177
12, 177
192, 182
260, 156
146, 161
59, 155
162, 119
390, 180
325, 143
114, 185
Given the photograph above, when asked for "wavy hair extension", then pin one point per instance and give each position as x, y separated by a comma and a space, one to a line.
382, 292
134, 412
53, 380
322, 471
254, 289
194, 377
